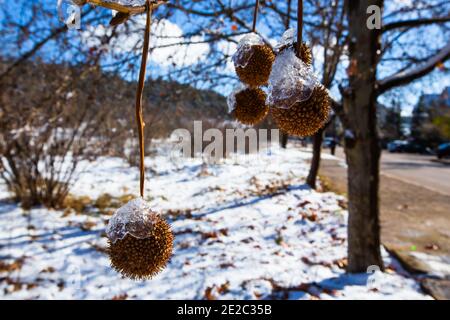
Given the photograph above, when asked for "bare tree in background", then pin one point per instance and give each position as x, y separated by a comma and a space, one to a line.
50, 115
362, 146
48, 124
396, 50
332, 39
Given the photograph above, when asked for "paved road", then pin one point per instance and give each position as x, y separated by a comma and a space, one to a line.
414, 219
416, 169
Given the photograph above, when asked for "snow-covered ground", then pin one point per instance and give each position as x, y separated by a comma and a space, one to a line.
247, 228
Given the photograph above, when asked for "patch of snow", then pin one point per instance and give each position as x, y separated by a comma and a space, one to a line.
246, 228
439, 266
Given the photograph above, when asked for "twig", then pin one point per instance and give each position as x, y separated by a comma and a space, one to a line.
139, 94
299, 27
407, 76
255, 15
131, 10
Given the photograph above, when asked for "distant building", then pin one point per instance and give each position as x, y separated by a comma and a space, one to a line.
445, 96
428, 102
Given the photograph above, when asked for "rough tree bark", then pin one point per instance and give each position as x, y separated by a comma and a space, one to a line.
363, 153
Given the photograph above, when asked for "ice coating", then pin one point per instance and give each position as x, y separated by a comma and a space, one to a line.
291, 81
287, 39
128, 2
243, 55
231, 100
135, 218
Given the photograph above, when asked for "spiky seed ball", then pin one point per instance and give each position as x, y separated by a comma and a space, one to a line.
307, 117
143, 258
250, 107
257, 70
305, 51
140, 240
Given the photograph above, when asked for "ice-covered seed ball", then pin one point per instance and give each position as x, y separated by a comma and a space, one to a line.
299, 104
305, 118
291, 81
253, 60
249, 106
140, 240
257, 71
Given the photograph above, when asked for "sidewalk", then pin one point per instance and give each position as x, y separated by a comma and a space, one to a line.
415, 225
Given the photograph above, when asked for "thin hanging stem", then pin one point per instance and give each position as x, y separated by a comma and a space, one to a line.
299, 27
255, 15
139, 94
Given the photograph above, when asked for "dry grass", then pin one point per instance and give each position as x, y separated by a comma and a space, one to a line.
104, 204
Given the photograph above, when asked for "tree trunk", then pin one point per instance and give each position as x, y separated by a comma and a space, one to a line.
333, 148
283, 140
363, 153
315, 161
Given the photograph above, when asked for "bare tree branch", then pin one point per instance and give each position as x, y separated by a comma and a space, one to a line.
124, 8
414, 23
405, 77
33, 50
38, 45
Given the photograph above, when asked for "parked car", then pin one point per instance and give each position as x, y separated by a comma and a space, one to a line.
413, 147
408, 147
396, 145
443, 150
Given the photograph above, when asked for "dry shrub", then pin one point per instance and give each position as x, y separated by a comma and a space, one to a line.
49, 124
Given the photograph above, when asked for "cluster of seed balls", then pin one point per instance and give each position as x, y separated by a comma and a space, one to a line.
302, 119
250, 103
143, 257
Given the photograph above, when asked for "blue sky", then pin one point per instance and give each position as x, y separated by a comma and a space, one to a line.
179, 25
